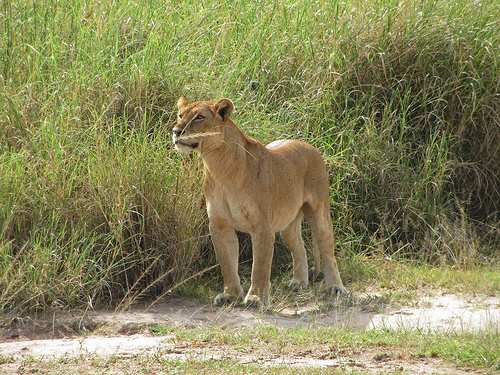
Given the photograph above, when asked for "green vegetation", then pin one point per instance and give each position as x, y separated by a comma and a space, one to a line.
289, 351
465, 349
95, 206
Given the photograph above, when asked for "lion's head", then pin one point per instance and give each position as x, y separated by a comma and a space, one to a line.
200, 124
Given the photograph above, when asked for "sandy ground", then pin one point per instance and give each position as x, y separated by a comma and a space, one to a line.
53, 336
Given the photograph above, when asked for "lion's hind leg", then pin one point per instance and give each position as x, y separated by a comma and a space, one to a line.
315, 272
319, 218
292, 236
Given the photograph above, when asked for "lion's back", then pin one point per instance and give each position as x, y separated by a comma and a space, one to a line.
298, 155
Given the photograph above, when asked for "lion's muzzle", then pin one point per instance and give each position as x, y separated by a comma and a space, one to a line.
180, 143
184, 143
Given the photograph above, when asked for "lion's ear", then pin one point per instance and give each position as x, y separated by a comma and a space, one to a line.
224, 108
182, 102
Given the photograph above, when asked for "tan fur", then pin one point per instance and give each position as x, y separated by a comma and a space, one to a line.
259, 190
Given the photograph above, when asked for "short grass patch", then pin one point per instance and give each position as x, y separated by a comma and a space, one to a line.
267, 349
464, 350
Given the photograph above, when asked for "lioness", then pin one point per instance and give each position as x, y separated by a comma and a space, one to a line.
259, 190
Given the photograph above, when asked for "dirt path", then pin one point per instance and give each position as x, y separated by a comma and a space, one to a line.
52, 336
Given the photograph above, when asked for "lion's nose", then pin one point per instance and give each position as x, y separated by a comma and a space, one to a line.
177, 132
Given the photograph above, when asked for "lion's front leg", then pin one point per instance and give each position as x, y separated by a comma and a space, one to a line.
226, 248
263, 250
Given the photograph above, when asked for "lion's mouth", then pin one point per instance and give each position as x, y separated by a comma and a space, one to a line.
184, 143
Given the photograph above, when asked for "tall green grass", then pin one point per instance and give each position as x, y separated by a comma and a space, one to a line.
95, 206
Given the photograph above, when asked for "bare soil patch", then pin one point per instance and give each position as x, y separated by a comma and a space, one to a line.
127, 334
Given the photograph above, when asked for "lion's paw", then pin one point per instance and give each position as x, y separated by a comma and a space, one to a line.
297, 285
256, 302
335, 290
223, 299
340, 290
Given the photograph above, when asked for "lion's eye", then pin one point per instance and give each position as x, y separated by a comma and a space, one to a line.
180, 116
199, 118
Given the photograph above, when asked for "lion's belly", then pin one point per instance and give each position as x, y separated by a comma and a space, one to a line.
284, 215
241, 215
248, 216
